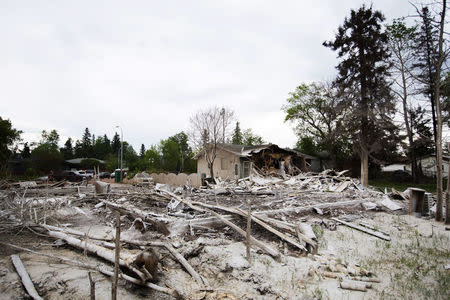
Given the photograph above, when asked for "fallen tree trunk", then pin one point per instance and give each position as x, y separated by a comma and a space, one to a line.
172, 250
103, 270
354, 286
363, 229
98, 250
26, 280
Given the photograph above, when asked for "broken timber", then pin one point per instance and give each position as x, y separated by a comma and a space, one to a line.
96, 249
272, 252
136, 212
363, 229
104, 270
26, 280
310, 207
257, 221
172, 250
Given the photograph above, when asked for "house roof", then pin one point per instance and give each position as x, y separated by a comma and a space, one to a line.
77, 161
246, 151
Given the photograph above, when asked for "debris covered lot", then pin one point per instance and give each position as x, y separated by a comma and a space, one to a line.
312, 236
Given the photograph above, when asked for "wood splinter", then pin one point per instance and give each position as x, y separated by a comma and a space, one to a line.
26, 280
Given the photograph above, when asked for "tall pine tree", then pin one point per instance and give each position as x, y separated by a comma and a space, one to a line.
237, 135
142, 151
362, 49
115, 143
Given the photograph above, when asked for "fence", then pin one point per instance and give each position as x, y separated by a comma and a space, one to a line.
177, 179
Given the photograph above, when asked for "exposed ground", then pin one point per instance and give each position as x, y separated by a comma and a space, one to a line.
409, 266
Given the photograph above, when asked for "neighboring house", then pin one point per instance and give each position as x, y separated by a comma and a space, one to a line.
237, 161
315, 164
75, 163
428, 164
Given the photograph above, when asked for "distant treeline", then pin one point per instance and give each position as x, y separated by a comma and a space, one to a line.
170, 155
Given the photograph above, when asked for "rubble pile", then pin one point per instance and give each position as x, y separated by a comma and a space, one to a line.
178, 227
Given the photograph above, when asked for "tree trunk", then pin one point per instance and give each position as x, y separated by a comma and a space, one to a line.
447, 194
364, 167
116, 258
411, 152
211, 170
437, 81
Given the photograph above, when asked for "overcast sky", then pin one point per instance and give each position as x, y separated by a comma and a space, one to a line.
150, 65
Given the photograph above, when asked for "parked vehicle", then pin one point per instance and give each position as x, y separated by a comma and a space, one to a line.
68, 175
104, 175
84, 174
124, 174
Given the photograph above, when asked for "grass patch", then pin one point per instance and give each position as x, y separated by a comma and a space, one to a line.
415, 267
401, 186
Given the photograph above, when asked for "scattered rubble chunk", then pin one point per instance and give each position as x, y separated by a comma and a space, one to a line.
386, 202
425, 229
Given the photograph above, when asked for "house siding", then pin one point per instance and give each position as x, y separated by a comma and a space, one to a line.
229, 160
429, 166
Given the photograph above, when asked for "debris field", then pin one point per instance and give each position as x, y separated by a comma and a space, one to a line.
309, 236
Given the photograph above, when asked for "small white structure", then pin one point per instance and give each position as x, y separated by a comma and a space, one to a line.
394, 167
428, 164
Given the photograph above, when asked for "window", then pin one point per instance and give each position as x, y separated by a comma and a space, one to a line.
223, 164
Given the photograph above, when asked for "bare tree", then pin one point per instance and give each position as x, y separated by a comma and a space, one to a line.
400, 43
436, 63
208, 128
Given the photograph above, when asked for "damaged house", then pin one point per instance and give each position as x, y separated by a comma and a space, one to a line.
237, 161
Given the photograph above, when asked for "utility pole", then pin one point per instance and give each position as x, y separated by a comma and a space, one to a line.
223, 124
121, 153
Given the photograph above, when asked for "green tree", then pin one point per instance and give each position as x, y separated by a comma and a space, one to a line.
142, 151
362, 48
111, 162
26, 153
78, 149
46, 156
115, 143
8, 136
51, 138
67, 150
185, 151
153, 157
237, 138
170, 155
423, 137
86, 142
102, 147
306, 145
319, 115
130, 157
251, 139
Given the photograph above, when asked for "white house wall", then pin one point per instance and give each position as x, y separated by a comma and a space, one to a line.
429, 167
229, 159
